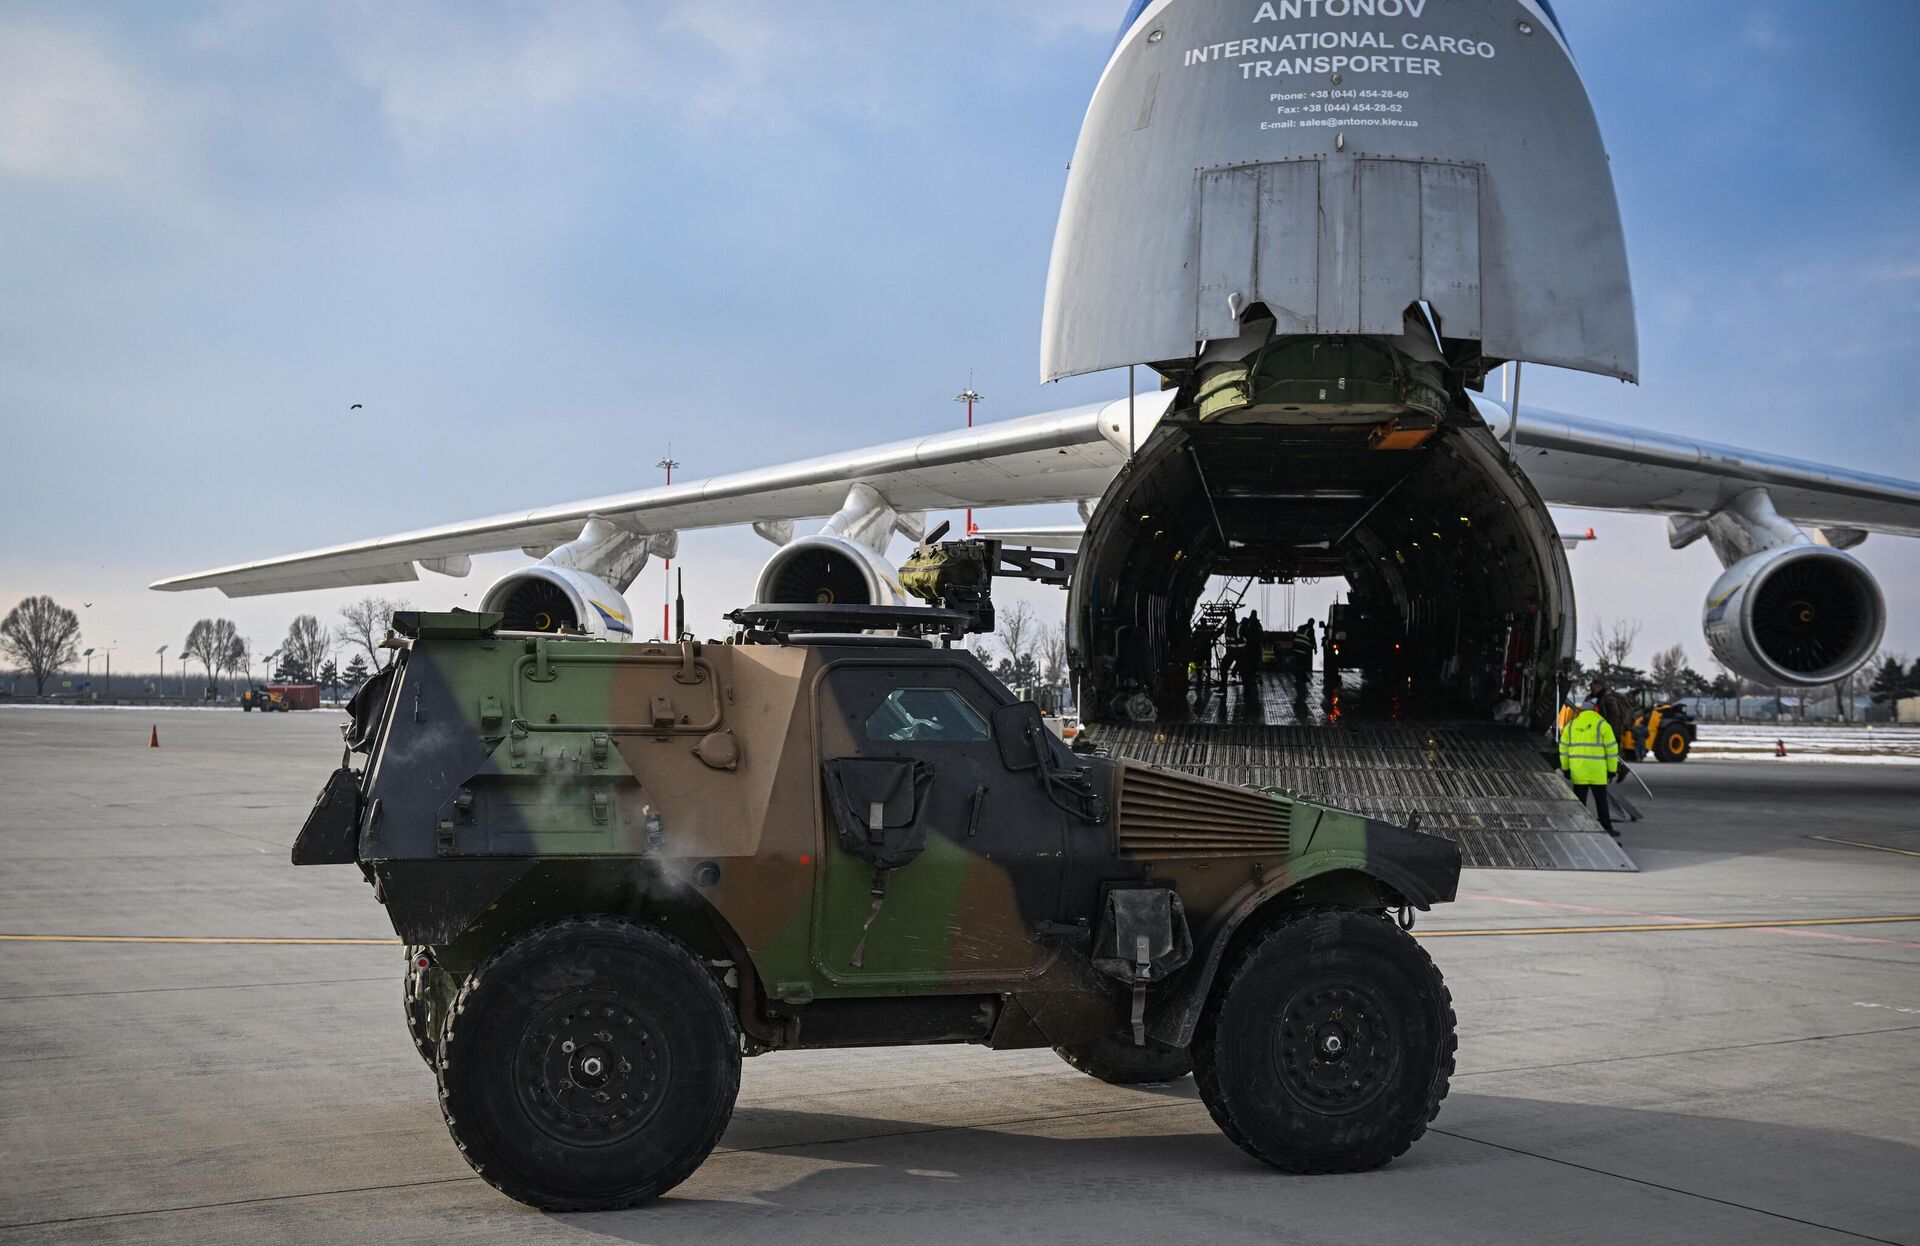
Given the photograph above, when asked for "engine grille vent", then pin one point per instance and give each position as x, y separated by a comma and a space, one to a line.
1166, 815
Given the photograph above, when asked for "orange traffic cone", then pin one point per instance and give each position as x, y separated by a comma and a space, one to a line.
153, 741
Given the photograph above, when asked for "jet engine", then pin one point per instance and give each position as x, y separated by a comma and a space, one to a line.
827, 569
549, 598
1795, 615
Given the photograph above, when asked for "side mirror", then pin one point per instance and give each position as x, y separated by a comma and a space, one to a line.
1019, 732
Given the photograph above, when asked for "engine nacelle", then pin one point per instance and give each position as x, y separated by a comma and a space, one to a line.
547, 598
1795, 615
827, 570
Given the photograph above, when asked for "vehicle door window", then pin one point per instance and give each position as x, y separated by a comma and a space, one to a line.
926, 714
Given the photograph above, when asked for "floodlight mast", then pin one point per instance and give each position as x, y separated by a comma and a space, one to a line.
969, 397
667, 464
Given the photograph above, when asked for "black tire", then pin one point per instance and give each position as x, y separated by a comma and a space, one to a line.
1672, 745
589, 1064
413, 1001
1310, 980
1115, 1059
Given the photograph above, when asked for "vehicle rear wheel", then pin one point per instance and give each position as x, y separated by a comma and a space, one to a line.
1115, 1059
1328, 1044
1672, 746
589, 1064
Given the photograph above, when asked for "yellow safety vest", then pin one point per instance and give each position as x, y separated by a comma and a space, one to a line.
1588, 752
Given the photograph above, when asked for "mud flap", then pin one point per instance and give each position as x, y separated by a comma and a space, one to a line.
331, 835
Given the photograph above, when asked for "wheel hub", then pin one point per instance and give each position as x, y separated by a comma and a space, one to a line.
1336, 1047
591, 1069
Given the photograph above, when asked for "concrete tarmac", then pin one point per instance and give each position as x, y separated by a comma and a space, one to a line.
1633, 1080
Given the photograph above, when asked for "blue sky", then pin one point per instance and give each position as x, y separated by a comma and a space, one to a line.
539, 243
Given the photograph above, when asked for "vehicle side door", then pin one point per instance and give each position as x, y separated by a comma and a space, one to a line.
962, 912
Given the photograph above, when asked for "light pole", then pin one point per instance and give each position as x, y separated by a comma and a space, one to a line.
668, 463
267, 664
969, 397
109, 676
162, 682
88, 655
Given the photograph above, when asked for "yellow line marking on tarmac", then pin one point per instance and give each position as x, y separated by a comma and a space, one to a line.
49, 938
1492, 933
1854, 843
1664, 926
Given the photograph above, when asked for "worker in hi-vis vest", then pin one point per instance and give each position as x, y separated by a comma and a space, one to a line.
1590, 756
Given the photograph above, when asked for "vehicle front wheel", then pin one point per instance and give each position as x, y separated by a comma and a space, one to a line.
1672, 746
589, 1064
1115, 1059
1328, 1044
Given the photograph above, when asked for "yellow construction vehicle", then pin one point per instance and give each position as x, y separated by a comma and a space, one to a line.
267, 700
1665, 729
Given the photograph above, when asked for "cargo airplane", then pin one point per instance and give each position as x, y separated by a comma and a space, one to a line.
1317, 226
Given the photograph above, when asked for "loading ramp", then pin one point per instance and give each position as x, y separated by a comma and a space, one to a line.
1491, 789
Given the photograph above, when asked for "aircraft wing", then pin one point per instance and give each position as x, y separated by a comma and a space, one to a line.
1071, 455
1054, 456
1574, 461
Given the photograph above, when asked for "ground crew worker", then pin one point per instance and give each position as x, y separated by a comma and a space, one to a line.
1252, 635
1590, 757
1613, 707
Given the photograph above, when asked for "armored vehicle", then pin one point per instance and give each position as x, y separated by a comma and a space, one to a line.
621, 867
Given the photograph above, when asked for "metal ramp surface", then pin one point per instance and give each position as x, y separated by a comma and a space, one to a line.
1490, 789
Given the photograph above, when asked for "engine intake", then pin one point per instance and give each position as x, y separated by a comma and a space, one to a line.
1796, 615
827, 570
546, 598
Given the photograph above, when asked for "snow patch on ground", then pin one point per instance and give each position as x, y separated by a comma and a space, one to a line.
1824, 742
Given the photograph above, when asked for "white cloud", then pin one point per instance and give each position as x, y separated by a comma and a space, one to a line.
1762, 31
439, 70
1061, 19
70, 111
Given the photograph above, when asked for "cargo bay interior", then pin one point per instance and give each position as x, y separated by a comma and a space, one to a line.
1456, 586
1457, 608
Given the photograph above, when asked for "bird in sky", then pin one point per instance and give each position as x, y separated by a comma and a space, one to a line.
354, 407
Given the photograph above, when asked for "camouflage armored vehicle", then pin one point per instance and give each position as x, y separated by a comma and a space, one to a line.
621, 868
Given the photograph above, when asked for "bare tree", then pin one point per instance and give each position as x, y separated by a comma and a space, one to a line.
1612, 642
1848, 686
305, 647
366, 623
1017, 630
210, 642
236, 659
1670, 671
42, 636
1053, 654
